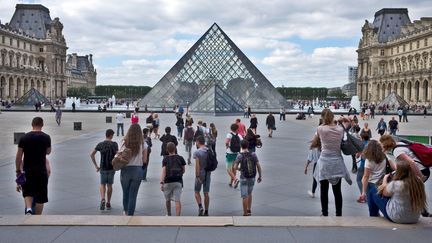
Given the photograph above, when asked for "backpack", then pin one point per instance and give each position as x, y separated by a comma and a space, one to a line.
174, 170
351, 145
212, 162
189, 134
235, 143
121, 158
422, 152
198, 133
248, 165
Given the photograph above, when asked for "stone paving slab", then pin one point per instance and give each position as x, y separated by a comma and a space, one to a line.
76, 220
180, 221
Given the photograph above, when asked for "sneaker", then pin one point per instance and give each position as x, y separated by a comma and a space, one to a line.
200, 212
206, 213
230, 185
236, 183
108, 206
311, 194
354, 170
29, 212
102, 204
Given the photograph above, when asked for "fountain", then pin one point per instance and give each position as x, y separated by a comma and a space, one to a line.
113, 100
355, 103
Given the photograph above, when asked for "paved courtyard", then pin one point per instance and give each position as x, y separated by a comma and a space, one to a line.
73, 186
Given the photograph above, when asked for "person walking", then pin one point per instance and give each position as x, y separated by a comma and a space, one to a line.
212, 137
202, 177
330, 167
271, 124
120, 121
393, 126
134, 118
31, 164
313, 156
58, 115
173, 168
149, 123
165, 139
147, 140
253, 123
424, 112
405, 114
241, 128
366, 130
232, 145
107, 150
252, 139
400, 113
188, 140
180, 125
403, 199
249, 166
381, 127
156, 124
132, 174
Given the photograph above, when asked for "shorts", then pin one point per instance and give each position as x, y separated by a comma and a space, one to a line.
107, 177
230, 158
246, 186
36, 186
172, 190
205, 182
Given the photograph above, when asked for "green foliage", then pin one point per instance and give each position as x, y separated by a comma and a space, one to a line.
337, 93
120, 91
81, 92
307, 93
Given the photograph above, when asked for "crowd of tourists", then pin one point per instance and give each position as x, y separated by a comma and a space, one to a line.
390, 175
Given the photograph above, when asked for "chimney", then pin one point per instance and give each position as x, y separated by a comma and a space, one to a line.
74, 60
91, 59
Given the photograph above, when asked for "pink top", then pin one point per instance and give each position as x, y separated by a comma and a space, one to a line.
331, 138
242, 129
134, 119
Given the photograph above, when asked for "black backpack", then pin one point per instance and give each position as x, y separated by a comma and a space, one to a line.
212, 162
174, 170
189, 134
235, 143
198, 133
248, 165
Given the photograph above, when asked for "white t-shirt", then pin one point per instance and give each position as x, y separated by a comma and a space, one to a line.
400, 150
119, 118
228, 140
399, 206
137, 160
376, 170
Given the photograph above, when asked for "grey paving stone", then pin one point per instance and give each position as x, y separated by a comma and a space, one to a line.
11, 234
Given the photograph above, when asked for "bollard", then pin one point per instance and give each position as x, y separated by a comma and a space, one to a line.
77, 126
108, 119
128, 115
18, 136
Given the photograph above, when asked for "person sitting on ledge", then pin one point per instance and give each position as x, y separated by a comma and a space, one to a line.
301, 116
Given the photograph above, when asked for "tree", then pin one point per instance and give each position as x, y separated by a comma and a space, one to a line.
81, 92
306, 93
337, 93
121, 91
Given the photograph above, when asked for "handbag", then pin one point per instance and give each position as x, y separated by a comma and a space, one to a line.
121, 158
351, 145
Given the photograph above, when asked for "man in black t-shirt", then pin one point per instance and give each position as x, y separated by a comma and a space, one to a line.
393, 126
173, 168
107, 149
33, 146
165, 139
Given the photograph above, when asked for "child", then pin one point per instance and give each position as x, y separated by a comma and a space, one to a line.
313, 156
361, 167
248, 165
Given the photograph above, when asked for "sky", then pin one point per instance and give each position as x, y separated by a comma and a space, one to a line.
307, 43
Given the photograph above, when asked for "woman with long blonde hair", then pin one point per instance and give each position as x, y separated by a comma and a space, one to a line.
132, 174
404, 198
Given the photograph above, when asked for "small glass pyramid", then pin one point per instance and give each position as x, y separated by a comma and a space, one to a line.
31, 98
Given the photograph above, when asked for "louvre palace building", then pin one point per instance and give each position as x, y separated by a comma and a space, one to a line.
33, 55
395, 55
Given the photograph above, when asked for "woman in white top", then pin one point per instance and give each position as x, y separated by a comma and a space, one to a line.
404, 198
132, 174
375, 169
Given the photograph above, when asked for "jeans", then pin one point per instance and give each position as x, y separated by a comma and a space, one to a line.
120, 125
360, 172
180, 132
377, 203
324, 186
130, 178
393, 131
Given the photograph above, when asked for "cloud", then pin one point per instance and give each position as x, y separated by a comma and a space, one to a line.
144, 33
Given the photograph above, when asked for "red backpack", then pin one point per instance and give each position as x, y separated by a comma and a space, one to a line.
421, 151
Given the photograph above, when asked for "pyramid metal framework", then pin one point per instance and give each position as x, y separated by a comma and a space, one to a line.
393, 100
214, 76
31, 98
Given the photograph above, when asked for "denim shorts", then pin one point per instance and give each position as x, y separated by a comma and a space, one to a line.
172, 191
205, 182
246, 186
107, 177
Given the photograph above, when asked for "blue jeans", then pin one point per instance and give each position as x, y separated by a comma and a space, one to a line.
130, 178
377, 203
360, 172
393, 131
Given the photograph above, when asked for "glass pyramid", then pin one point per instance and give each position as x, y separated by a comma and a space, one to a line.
31, 98
216, 68
393, 100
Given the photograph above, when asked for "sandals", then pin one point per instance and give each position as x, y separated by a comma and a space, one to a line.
236, 183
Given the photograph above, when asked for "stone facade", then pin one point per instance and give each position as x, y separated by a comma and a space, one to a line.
80, 72
33, 54
395, 54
